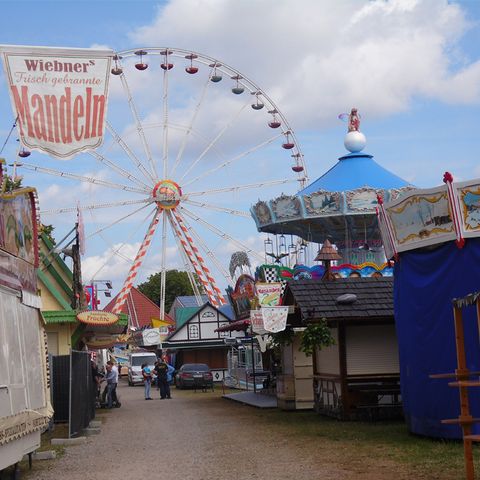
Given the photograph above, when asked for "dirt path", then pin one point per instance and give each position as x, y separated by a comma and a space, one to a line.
202, 436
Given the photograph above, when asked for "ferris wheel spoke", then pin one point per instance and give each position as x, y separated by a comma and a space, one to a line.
95, 206
165, 122
186, 263
234, 159
192, 121
117, 221
215, 140
213, 292
221, 234
116, 252
118, 169
217, 208
142, 251
205, 248
163, 278
138, 124
237, 188
80, 178
130, 153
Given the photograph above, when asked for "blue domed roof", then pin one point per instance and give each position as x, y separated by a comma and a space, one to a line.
355, 170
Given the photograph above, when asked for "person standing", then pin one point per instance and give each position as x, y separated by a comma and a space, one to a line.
161, 371
114, 370
110, 378
147, 380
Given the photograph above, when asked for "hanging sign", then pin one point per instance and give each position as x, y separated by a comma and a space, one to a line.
274, 318
269, 294
100, 341
256, 320
97, 317
59, 96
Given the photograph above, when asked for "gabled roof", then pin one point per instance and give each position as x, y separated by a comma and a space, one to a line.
186, 305
182, 315
140, 309
193, 313
319, 298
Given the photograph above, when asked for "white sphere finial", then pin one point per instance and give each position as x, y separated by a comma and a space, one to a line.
355, 141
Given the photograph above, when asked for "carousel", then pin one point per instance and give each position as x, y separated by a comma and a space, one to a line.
339, 206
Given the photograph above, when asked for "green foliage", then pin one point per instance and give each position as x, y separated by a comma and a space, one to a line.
316, 335
177, 284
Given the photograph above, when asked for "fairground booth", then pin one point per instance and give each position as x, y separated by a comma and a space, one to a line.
433, 235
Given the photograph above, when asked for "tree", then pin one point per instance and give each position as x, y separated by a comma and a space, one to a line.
177, 284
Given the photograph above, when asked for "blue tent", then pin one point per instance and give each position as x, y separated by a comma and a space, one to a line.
426, 281
352, 171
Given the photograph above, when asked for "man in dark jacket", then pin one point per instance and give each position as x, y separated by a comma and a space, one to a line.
161, 370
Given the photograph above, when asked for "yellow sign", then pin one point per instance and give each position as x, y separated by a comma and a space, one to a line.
97, 317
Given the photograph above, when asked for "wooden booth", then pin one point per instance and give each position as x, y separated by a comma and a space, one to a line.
359, 376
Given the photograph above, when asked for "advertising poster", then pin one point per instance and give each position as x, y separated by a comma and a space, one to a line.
59, 96
269, 294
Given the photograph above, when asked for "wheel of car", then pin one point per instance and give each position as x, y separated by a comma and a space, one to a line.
130, 384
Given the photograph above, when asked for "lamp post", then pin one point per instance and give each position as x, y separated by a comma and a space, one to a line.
107, 287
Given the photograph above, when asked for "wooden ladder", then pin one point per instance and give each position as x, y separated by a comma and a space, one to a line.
463, 381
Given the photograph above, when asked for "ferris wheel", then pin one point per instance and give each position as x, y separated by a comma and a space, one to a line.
183, 128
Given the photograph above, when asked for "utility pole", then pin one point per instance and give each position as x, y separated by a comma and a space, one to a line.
78, 301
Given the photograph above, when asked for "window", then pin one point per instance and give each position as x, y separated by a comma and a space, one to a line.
193, 332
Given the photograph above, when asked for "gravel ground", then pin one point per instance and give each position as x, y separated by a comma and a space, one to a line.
202, 436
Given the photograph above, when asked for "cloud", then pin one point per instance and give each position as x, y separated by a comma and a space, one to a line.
322, 56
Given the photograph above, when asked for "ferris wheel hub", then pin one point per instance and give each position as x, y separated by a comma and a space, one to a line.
167, 194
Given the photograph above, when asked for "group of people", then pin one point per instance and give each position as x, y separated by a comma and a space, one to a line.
163, 373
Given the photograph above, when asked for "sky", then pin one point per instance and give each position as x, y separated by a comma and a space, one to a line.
411, 67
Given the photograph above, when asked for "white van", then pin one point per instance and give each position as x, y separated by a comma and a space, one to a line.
135, 362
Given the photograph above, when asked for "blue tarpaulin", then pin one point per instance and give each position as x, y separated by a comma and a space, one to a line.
425, 283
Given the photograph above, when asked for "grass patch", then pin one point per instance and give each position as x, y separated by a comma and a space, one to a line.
390, 440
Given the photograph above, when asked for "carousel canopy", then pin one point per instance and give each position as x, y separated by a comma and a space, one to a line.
354, 171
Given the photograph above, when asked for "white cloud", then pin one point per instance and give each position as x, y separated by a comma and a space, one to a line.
318, 57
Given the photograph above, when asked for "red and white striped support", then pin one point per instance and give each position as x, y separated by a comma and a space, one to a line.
201, 261
127, 286
454, 209
383, 219
199, 267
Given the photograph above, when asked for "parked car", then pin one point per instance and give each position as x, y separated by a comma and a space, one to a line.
194, 374
135, 362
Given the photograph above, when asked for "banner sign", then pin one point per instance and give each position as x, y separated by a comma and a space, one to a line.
274, 318
151, 336
256, 320
59, 96
269, 294
97, 317
100, 341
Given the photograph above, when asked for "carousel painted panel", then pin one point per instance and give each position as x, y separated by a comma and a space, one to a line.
362, 200
421, 219
468, 194
322, 203
286, 207
262, 213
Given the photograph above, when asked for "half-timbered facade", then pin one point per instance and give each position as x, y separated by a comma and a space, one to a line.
196, 341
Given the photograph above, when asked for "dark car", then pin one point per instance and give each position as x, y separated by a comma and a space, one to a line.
194, 375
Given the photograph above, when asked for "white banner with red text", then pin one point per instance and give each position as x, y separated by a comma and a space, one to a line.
59, 96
